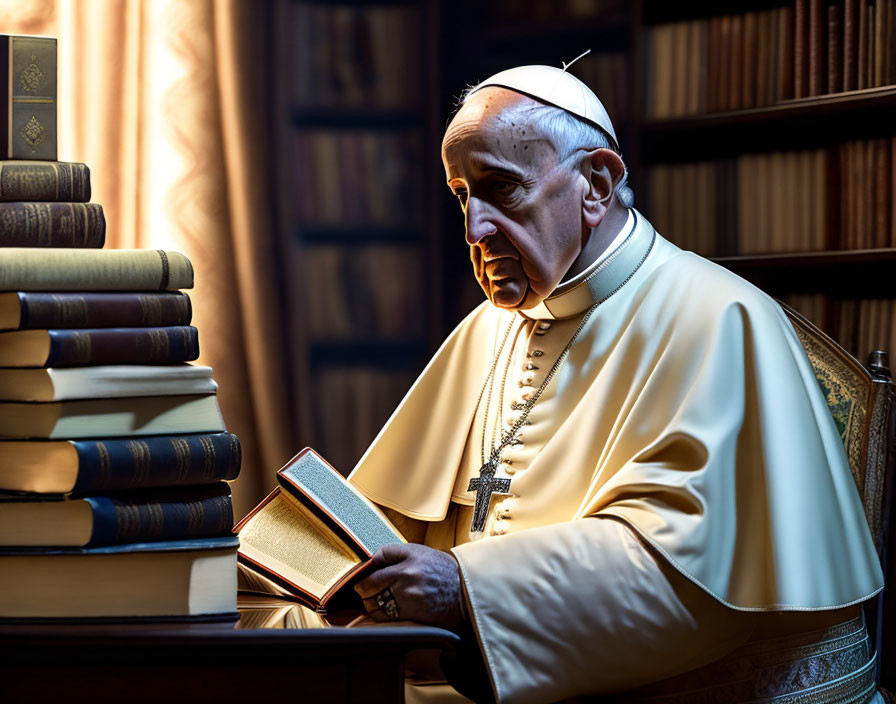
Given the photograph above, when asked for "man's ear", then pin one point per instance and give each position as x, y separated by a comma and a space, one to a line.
602, 168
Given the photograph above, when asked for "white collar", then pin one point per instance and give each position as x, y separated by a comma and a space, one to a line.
603, 277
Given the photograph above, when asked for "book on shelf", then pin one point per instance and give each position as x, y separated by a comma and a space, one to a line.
174, 580
111, 417
763, 57
107, 381
57, 181
361, 57
23, 310
312, 536
115, 519
96, 346
28, 81
47, 269
113, 464
780, 201
52, 225
358, 176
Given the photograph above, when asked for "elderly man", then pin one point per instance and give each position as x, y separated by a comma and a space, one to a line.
618, 474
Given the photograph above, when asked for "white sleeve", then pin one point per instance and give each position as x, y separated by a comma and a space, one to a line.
585, 608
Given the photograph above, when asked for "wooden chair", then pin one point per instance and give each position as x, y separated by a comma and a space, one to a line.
863, 403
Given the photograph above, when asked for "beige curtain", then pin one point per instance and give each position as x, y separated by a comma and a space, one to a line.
167, 101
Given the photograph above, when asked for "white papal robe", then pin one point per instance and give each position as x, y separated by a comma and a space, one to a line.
679, 474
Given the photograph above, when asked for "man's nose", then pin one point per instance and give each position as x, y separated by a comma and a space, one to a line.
478, 223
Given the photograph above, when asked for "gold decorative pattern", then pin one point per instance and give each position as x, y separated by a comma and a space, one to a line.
182, 451
140, 455
33, 132
825, 666
32, 78
847, 389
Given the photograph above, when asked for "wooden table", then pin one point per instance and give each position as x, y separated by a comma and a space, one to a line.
219, 663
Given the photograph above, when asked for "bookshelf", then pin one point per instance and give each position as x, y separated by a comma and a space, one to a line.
355, 118
796, 171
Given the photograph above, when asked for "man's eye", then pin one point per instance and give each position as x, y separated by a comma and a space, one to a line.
504, 187
461, 194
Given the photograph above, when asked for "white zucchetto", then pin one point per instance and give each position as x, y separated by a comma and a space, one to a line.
556, 87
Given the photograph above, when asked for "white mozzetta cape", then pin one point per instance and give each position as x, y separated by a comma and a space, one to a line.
686, 409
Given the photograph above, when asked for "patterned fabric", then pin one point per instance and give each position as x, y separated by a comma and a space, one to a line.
834, 665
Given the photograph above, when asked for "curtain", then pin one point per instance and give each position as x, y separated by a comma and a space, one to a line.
169, 104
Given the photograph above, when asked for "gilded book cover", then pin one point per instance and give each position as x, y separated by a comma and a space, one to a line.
28, 127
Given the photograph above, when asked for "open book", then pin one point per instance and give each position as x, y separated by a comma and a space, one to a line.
312, 536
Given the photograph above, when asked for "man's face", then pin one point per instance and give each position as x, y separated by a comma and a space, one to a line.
523, 209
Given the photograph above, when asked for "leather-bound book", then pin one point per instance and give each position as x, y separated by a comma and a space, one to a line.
95, 346
89, 466
882, 192
817, 65
863, 31
24, 310
115, 519
313, 536
801, 48
57, 181
52, 225
50, 269
786, 48
159, 580
28, 79
750, 60
735, 62
835, 49
850, 44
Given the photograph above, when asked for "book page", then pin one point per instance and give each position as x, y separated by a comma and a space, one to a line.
288, 543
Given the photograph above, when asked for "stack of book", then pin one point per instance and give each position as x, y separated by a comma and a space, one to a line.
113, 452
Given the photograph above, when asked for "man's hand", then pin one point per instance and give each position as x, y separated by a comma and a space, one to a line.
424, 582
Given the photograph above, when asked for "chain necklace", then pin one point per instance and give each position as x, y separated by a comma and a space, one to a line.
486, 483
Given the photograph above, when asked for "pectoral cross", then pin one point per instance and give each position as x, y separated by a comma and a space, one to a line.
485, 485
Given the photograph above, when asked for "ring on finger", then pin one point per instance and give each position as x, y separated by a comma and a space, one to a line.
385, 600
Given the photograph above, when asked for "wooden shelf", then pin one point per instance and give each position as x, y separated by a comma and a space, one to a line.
862, 272
793, 124
357, 118
359, 234
397, 355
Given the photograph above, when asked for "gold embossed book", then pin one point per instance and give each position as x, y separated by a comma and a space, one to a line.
312, 537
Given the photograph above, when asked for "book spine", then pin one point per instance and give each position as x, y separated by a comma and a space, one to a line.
78, 348
850, 45
57, 181
102, 310
28, 79
835, 48
801, 48
161, 515
107, 465
50, 269
52, 225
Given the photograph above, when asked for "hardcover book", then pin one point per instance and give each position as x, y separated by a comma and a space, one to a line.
28, 80
52, 225
23, 310
47, 269
115, 519
57, 181
88, 466
313, 536
78, 348
176, 580
111, 417
112, 381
